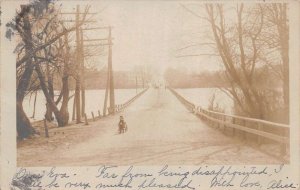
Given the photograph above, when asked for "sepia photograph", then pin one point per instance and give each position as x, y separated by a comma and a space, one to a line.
151, 83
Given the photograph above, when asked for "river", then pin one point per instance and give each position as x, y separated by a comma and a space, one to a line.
202, 96
95, 100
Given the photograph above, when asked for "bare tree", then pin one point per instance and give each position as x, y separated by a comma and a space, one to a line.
256, 41
40, 31
239, 48
276, 37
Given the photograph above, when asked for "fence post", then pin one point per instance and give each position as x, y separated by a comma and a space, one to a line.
218, 117
244, 132
233, 129
46, 129
224, 126
85, 119
204, 112
93, 116
208, 118
259, 128
201, 112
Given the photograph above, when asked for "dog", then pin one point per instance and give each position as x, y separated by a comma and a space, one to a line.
122, 125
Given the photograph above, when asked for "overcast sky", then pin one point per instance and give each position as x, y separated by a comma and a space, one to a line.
150, 32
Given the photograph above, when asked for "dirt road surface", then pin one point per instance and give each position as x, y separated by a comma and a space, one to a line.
161, 131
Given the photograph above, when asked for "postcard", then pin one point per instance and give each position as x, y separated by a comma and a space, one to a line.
143, 95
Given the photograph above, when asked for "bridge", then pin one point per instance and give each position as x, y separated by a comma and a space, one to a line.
164, 128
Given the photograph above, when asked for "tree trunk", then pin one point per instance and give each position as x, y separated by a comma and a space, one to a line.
74, 110
82, 99
65, 86
77, 100
34, 104
49, 113
64, 106
49, 100
24, 128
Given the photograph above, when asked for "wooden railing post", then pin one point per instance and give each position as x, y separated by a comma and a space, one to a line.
259, 127
46, 129
242, 127
244, 132
85, 119
224, 126
93, 116
218, 118
233, 129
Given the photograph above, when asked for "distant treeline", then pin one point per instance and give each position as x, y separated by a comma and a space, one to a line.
95, 79
178, 78
181, 78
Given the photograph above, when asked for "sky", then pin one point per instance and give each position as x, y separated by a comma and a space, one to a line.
149, 33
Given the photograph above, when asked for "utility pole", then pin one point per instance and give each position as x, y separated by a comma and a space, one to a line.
78, 58
110, 84
111, 76
106, 94
82, 74
79, 109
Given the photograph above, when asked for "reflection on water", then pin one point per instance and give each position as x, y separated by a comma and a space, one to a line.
201, 97
94, 101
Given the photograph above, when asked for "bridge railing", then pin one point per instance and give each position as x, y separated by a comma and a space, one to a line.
121, 107
189, 105
118, 108
249, 128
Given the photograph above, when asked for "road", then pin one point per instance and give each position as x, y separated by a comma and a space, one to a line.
161, 131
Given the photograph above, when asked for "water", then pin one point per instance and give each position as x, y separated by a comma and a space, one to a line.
94, 102
201, 97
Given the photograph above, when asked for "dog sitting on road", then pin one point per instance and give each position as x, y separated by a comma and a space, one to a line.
122, 125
